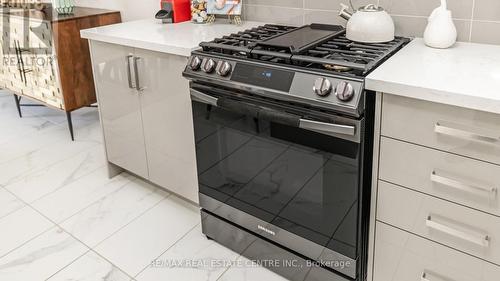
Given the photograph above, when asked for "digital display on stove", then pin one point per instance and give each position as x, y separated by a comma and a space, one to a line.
264, 77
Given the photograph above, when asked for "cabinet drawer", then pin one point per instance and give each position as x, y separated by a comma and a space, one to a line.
401, 256
459, 227
455, 178
462, 131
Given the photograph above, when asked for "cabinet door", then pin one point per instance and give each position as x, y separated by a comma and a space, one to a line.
119, 106
168, 125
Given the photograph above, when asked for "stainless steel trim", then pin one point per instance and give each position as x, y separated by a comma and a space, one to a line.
459, 133
136, 70
257, 249
283, 237
327, 128
475, 238
129, 72
201, 97
471, 188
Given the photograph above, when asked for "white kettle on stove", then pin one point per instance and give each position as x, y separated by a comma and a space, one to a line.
369, 24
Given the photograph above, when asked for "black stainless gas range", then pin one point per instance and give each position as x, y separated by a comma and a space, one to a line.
284, 129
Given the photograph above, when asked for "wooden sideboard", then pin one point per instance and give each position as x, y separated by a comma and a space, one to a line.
44, 58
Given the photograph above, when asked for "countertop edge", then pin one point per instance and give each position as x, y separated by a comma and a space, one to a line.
434, 95
168, 49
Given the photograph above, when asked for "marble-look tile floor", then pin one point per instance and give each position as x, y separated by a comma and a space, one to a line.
61, 218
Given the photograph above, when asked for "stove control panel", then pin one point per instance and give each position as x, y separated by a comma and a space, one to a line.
336, 91
327, 90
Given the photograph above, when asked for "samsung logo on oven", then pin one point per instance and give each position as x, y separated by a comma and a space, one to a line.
268, 231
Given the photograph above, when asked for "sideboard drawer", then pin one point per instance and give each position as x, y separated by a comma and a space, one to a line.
462, 131
456, 226
448, 176
402, 256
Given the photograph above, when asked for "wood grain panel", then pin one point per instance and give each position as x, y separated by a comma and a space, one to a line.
73, 57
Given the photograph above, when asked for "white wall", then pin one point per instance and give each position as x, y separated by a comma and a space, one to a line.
130, 9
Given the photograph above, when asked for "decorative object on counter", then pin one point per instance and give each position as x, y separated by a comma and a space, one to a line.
369, 24
64, 7
174, 11
230, 8
441, 31
199, 13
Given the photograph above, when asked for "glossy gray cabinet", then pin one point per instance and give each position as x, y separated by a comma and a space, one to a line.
146, 115
435, 202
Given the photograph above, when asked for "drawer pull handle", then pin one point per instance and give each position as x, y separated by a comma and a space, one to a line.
480, 240
454, 132
462, 186
425, 277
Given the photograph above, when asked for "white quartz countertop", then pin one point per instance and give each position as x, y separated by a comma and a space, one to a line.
467, 75
178, 39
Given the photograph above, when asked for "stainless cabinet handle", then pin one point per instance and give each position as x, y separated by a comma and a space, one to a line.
129, 72
481, 240
136, 70
327, 128
492, 191
425, 277
459, 133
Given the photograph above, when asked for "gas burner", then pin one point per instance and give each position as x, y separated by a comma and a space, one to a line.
316, 46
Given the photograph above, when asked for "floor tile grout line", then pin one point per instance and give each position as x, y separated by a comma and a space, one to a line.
29, 240
135, 219
54, 143
55, 225
37, 169
75, 179
171, 246
72, 262
86, 206
123, 226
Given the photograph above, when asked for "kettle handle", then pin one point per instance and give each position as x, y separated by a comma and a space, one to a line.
344, 12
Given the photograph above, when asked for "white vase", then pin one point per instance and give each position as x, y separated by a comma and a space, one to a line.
441, 31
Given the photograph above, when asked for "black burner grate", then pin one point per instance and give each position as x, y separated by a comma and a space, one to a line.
327, 49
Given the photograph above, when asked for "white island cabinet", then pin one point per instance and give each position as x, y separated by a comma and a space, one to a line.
435, 198
146, 115
144, 101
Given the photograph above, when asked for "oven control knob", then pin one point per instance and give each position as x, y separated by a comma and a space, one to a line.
322, 87
344, 91
224, 68
209, 65
195, 63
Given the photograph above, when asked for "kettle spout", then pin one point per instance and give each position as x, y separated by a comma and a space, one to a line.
344, 12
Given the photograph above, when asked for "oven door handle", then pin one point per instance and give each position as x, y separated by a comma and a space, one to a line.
284, 118
203, 98
327, 128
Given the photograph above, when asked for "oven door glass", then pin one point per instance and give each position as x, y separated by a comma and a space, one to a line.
302, 181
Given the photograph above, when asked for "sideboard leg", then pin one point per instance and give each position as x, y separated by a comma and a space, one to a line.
18, 105
70, 125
